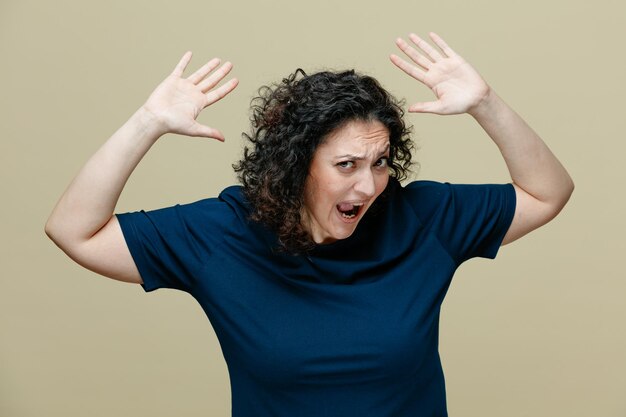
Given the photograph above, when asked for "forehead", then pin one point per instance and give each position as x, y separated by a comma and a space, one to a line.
356, 137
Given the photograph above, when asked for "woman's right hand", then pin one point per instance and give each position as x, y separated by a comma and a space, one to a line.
176, 102
82, 224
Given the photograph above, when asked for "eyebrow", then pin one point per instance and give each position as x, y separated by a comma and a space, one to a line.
361, 157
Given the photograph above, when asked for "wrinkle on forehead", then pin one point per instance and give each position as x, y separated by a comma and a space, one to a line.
365, 129
358, 135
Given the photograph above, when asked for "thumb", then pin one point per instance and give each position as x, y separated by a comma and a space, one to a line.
200, 130
426, 107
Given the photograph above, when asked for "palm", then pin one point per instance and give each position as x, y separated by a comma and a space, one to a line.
457, 86
177, 101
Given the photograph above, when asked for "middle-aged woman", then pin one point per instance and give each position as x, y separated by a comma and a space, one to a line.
322, 276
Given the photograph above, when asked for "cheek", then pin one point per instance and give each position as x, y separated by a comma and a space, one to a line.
329, 187
381, 183
319, 194
311, 191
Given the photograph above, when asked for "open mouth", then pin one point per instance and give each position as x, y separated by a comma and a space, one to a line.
349, 210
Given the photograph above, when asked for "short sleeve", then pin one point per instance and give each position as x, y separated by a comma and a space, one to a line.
470, 220
170, 245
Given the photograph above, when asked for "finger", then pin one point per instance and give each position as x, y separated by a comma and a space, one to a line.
203, 71
408, 68
429, 51
215, 78
221, 92
442, 44
426, 107
200, 130
182, 64
415, 56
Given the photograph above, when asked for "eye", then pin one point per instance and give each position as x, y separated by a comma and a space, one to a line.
345, 164
382, 162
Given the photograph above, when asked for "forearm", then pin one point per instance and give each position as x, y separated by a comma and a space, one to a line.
531, 164
89, 201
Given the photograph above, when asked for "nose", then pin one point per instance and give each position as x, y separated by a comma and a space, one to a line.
365, 184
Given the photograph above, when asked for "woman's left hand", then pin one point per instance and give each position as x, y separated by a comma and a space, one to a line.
542, 185
457, 85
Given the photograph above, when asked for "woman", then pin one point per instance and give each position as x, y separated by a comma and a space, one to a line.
322, 276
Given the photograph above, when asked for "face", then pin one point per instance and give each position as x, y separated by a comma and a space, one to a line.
348, 172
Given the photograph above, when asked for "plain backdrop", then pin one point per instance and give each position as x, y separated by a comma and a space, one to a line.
540, 331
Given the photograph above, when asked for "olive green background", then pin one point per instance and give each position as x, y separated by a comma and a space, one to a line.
540, 331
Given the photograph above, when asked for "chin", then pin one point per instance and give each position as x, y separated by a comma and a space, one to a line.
343, 234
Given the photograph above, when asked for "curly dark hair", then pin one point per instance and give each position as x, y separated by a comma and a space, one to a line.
289, 121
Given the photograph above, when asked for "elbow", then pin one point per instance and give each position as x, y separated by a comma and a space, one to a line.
48, 229
560, 196
60, 238
55, 233
566, 193
562, 191
65, 234
568, 190
51, 231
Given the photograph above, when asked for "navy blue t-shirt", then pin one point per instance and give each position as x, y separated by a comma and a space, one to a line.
350, 328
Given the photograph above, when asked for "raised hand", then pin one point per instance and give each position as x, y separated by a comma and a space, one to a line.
457, 86
177, 101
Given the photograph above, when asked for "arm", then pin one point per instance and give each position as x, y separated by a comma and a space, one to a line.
542, 185
82, 224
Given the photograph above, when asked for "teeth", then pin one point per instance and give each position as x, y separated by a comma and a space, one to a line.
349, 210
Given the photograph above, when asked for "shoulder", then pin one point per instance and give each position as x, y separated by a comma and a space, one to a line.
234, 197
434, 193
212, 210
469, 219
432, 199
426, 188
426, 197
202, 215
228, 203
